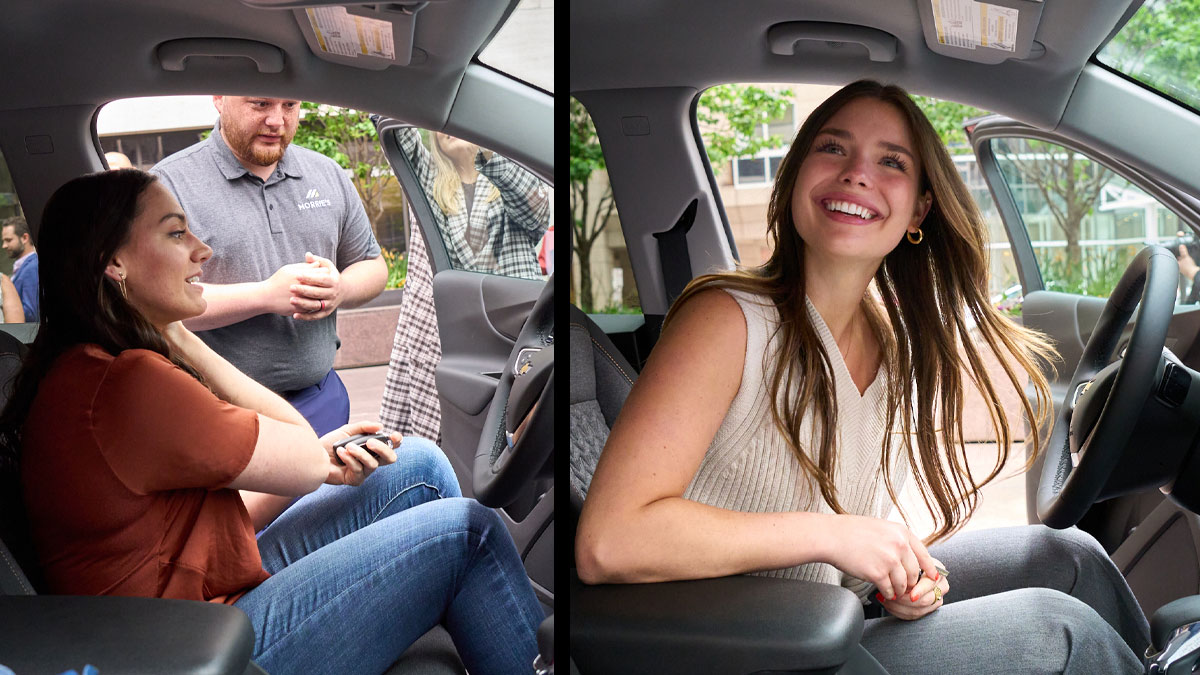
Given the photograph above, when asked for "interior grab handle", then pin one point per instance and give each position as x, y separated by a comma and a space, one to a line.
173, 54
782, 37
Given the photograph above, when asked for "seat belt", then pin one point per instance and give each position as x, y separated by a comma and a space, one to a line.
673, 253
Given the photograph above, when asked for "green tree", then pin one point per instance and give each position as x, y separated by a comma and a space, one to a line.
1160, 45
948, 119
731, 119
587, 218
1069, 182
348, 137
732, 116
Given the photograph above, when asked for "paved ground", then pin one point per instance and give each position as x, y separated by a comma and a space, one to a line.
1001, 503
365, 386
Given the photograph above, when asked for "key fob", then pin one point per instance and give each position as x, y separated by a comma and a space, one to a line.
361, 441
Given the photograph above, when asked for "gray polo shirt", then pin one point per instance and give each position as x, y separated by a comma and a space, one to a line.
254, 228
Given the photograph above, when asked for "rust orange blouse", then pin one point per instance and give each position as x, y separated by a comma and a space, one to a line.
124, 467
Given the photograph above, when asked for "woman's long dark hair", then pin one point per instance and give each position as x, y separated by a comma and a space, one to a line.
84, 224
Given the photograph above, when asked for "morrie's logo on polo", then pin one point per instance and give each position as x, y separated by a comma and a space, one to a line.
313, 201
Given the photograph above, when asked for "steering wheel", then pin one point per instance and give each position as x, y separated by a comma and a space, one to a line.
1103, 403
523, 406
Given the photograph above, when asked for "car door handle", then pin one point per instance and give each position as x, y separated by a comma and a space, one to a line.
782, 37
173, 53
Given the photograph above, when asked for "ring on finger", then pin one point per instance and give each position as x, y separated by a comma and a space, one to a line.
937, 594
322, 306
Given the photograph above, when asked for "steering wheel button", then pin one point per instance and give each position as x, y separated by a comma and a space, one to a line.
1174, 386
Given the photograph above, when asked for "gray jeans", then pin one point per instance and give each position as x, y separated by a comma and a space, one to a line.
1022, 600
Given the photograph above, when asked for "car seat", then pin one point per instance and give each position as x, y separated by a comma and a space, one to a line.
738, 624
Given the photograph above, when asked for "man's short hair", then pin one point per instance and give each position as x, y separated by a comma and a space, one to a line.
17, 223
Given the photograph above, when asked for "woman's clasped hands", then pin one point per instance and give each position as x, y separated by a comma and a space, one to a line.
911, 583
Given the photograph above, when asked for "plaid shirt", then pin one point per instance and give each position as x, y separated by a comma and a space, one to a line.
410, 402
498, 236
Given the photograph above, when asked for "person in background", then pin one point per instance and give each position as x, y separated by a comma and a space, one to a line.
16, 239
490, 213
10, 302
117, 160
546, 251
291, 245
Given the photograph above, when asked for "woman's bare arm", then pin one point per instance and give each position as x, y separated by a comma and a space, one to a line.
13, 311
635, 525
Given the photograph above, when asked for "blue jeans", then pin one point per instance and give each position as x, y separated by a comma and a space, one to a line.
359, 573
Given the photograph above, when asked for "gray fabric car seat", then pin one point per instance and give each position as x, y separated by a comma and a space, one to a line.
600, 380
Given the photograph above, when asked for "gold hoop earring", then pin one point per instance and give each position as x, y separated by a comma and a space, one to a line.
915, 240
124, 293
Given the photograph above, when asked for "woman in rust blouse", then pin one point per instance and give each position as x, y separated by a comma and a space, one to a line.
148, 463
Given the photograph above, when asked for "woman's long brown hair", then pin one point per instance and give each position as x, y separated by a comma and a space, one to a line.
930, 292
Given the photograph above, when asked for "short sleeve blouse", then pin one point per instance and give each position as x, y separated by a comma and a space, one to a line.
124, 470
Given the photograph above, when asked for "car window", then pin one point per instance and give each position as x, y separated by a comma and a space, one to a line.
759, 169
524, 45
1157, 47
602, 275
1085, 221
492, 214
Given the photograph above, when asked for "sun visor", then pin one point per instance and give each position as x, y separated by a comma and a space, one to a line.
983, 32
370, 35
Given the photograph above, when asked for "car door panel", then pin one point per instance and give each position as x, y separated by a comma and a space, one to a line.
480, 316
1069, 318
475, 311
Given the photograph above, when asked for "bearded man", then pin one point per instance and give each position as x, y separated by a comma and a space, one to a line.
291, 244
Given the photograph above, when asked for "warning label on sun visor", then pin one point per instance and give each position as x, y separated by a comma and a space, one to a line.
342, 33
969, 24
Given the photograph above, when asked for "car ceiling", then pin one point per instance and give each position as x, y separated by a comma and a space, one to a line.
630, 45
92, 52
61, 60
639, 43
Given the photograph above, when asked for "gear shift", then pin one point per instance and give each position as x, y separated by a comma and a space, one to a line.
1174, 637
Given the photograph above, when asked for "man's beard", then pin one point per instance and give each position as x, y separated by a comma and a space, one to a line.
243, 147
14, 254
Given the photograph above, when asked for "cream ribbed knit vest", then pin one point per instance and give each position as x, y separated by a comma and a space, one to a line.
748, 467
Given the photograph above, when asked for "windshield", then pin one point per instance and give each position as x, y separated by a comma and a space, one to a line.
1158, 47
524, 45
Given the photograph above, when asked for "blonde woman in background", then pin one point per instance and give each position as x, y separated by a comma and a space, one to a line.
491, 214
